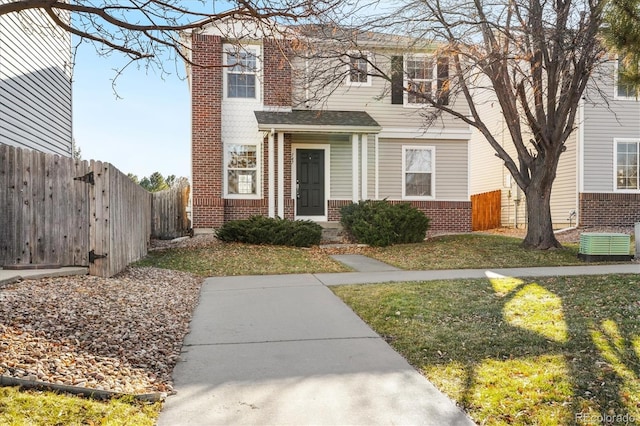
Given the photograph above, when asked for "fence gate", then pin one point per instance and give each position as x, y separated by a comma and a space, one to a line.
58, 211
486, 210
44, 209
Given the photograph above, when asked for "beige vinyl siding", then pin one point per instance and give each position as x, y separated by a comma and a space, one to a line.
564, 194
371, 163
35, 83
376, 100
489, 174
451, 168
487, 170
603, 122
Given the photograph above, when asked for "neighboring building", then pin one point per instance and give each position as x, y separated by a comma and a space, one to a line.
260, 146
597, 177
35, 83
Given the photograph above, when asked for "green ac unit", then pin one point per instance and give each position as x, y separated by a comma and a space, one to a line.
597, 247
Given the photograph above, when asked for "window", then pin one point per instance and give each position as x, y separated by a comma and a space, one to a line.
241, 73
627, 165
421, 79
418, 172
623, 90
358, 70
242, 170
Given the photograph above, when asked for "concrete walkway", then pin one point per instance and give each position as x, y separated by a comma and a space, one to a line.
361, 263
285, 350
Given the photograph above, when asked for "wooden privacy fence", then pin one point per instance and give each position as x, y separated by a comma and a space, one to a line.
169, 212
486, 210
60, 211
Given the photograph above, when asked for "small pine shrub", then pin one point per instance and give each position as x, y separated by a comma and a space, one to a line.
380, 223
265, 230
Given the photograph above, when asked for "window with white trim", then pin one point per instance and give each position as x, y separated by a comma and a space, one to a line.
241, 72
242, 167
421, 79
358, 70
627, 153
623, 90
418, 172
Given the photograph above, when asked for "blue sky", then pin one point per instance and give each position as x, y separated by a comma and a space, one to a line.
146, 130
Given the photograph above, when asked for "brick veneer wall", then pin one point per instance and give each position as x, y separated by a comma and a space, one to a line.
607, 209
206, 124
446, 216
210, 209
277, 73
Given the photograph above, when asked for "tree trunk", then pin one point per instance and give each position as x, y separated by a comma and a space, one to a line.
540, 234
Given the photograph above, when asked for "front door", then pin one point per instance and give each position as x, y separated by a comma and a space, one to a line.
310, 182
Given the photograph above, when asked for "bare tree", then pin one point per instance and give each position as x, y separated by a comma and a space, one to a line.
145, 30
533, 58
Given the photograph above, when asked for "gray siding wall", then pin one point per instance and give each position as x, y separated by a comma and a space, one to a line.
375, 99
605, 120
35, 83
452, 171
451, 166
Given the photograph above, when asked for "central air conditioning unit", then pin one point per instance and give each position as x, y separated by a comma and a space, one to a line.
600, 247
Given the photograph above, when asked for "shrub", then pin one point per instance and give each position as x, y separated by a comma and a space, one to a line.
265, 230
381, 223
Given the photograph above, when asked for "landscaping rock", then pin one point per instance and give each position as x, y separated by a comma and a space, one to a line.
121, 334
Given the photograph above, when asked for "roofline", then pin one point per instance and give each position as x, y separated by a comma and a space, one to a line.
317, 128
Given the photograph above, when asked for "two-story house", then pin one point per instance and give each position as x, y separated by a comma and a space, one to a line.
35, 83
260, 146
597, 177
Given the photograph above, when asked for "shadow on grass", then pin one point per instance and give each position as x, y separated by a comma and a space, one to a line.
549, 351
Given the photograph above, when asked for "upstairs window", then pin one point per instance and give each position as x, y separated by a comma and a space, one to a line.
242, 73
421, 79
623, 90
627, 165
416, 78
358, 70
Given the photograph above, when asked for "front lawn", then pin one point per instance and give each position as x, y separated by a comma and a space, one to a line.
447, 252
471, 251
510, 351
226, 259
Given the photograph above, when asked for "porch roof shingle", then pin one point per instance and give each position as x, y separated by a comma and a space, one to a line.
304, 121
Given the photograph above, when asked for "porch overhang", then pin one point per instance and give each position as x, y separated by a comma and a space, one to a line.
314, 121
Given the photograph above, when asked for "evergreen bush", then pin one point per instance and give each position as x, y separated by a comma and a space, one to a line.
272, 231
380, 223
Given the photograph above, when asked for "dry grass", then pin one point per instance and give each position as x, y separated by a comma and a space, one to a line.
34, 408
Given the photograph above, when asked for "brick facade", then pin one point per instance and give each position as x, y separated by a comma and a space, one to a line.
445, 216
609, 209
277, 74
206, 127
209, 208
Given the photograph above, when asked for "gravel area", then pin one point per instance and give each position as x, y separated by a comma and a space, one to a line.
122, 334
